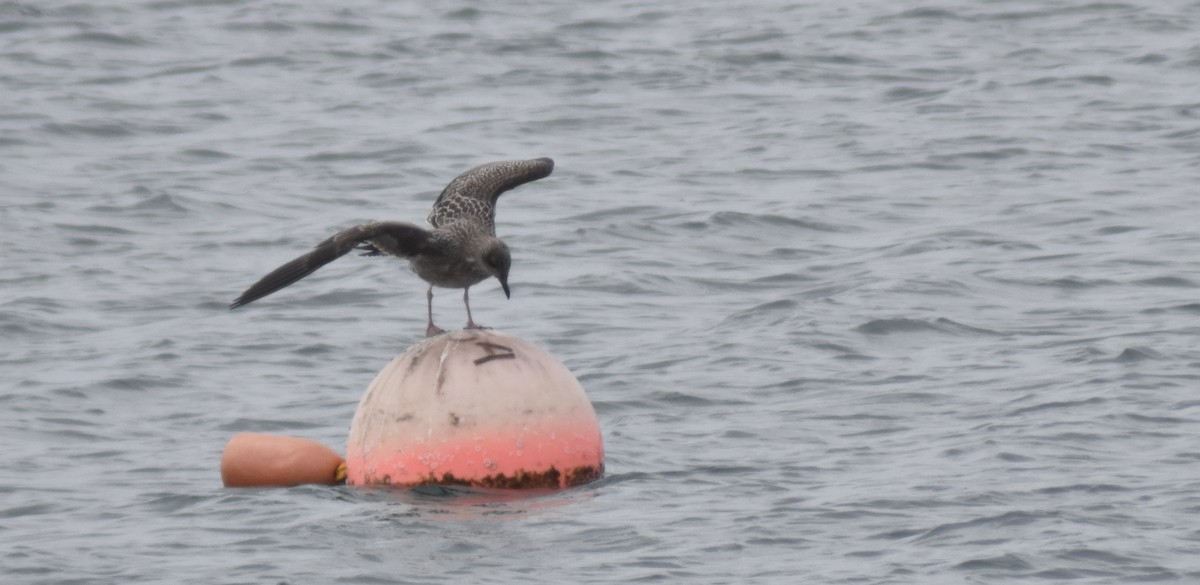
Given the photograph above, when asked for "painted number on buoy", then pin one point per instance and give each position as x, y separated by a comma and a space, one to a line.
495, 351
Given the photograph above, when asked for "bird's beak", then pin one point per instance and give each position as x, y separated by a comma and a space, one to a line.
504, 285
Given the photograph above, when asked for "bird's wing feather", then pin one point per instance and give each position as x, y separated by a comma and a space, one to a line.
474, 193
393, 237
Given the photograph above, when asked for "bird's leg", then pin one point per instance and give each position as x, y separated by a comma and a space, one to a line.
467, 301
431, 329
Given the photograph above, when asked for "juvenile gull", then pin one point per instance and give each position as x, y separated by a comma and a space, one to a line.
461, 250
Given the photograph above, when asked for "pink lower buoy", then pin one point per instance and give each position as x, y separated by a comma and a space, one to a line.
475, 408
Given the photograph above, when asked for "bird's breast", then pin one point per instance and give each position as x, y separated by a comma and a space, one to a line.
449, 273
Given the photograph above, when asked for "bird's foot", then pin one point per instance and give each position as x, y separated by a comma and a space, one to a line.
474, 325
432, 330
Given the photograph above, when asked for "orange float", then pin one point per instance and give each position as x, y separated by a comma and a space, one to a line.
258, 460
475, 408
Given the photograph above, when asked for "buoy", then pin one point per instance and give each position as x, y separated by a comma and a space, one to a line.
475, 408
258, 460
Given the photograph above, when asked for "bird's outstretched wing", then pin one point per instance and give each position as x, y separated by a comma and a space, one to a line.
393, 237
473, 194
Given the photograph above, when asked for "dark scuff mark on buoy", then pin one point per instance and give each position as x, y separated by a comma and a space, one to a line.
454, 419
490, 345
507, 353
498, 356
417, 354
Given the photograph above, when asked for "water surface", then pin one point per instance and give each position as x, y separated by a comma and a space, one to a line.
869, 292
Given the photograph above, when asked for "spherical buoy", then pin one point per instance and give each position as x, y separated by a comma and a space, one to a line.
258, 460
475, 408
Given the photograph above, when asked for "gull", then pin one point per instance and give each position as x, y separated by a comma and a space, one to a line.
461, 250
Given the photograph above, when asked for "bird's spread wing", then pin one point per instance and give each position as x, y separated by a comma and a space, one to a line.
392, 237
473, 194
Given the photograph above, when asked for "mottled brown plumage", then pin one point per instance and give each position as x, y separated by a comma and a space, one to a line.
460, 251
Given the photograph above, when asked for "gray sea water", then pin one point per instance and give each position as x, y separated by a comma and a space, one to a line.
863, 292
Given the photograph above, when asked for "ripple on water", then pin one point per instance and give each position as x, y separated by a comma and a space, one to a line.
905, 325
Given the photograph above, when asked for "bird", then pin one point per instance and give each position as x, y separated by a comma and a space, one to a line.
460, 251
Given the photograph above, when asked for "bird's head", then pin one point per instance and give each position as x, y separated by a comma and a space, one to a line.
497, 260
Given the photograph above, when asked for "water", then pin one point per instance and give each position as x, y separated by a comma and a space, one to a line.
868, 292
